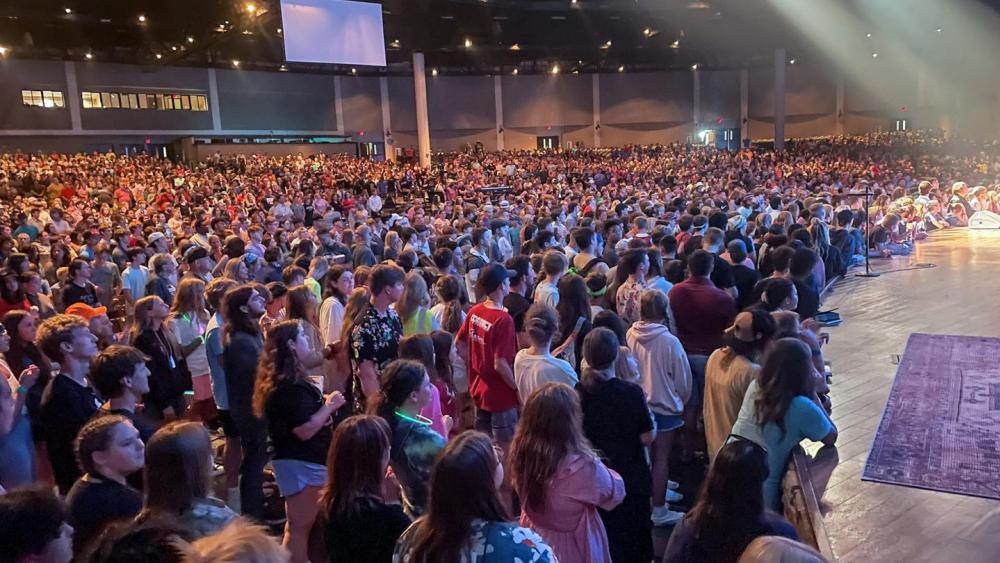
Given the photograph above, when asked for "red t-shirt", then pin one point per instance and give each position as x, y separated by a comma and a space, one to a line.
490, 334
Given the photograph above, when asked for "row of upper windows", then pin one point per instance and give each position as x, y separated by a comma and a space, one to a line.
117, 100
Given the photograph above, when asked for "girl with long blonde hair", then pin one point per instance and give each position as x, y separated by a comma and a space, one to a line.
413, 306
188, 322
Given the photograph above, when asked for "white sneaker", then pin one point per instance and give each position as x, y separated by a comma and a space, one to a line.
663, 516
673, 485
673, 496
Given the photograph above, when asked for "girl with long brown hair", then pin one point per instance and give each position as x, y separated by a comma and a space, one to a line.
465, 520
300, 305
361, 499
168, 378
188, 322
420, 347
559, 477
298, 418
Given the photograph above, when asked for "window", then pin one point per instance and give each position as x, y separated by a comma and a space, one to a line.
91, 100
901, 125
42, 98
116, 101
177, 101
186, 102
143, 101
199, 103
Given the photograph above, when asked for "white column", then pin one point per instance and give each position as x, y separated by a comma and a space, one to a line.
779, 99
841, 115
696, 105
744, 105
390, 144
338, 103
73, 95
595, 83
213, 100
423, 128
498, 109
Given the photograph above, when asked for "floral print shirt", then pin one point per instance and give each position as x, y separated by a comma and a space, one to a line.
489, 542
374, 338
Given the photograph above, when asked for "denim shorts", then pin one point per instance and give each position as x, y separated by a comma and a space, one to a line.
294, 475
500, 425
667, 422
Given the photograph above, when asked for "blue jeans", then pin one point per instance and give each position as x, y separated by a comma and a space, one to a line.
698, 363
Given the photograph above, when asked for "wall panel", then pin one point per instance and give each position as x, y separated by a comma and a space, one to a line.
18, 75
403, 103
545, 99
276, 101
362, 105
720, 95
461, 102
654, 97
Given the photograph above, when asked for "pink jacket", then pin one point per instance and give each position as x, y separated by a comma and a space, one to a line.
570, 523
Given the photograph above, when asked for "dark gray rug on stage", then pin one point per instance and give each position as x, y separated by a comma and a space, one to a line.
941, 426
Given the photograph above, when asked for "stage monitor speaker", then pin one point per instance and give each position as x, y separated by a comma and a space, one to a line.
984, 220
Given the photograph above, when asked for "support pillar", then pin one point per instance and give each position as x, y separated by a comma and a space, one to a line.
841, 115
390, 144
744, 105
595, 82
73, 96
420, 94
779, 99
338, 103
498, 109
696, 102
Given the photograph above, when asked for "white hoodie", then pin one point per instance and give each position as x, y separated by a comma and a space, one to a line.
663, 367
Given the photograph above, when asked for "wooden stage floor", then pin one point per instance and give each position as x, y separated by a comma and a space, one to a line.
873, 521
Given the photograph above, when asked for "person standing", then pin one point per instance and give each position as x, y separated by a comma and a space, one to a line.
242, 308
375, 336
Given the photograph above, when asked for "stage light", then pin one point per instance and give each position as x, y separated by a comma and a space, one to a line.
236, 63
89, 56
142, 19
68, 10
434, 72
555, 69
515, 47
190, 39
468, 43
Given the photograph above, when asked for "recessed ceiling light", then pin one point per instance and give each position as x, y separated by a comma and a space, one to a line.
159, 56
142, 19
89, 56
694, 66
675, 44
514, 72
190, 39
515, 47
173, 47
434, 72
874, 55
606, 45
468, 43
250, 7
354, 71
555, 69
791, 62
621, 68
647, 32
939, 30
282, 68
236, 63
868, 35
3, 51
68, 10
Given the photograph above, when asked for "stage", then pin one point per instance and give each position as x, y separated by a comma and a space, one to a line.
878, 522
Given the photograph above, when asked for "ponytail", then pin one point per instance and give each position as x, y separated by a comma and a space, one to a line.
400, 379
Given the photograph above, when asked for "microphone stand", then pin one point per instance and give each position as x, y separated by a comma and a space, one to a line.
868, 269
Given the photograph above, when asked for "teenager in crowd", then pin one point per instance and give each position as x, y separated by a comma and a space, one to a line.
730, 511
17, 448
109, 449
574, 319
413, 306
361, 502
169, 378
22, 329
301, 305
420, 348
536, 365
560, 479
618, 424
465, 520
178, 480
635, 265
375, 335
231, 454
406, 390
554, 265
34, 527
626, 366
665, 375
69, 401
242, 308
120, 376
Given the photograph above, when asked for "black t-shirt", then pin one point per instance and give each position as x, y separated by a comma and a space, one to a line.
746, 279
93, 504
722, 273
517, 305
368, 533
808, 300
289, 406
66, 407
614, 416
76, 294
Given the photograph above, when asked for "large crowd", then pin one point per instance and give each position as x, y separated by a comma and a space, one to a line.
503, 357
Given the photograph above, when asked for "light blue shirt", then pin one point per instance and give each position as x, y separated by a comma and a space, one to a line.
213, 349
804, 419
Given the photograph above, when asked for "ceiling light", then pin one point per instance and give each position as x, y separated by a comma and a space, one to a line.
89, 56
647, 31
868, 35
468, 43
675, 44
68, 10
791, 62
575, 71
173, 47
283, 68
434, 72
159, 56
190, 39
939, 30
279, 31
555, 69
515, 47
3, 51
514, 72
621, 68
250, 7
236, 63
694, 66
142, 19
572, 1
874, 55
354, 71
607, 45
